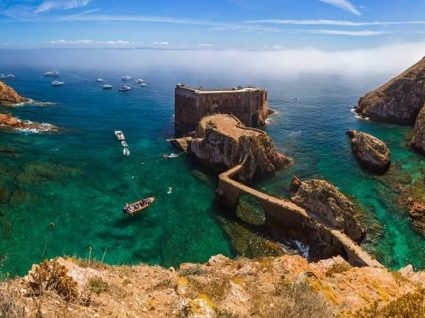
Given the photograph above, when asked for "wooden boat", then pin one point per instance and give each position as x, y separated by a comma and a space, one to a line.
136, 207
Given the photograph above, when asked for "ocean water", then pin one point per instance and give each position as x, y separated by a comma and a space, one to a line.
63, 192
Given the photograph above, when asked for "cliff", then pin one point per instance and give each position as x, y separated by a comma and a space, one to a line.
269, 287
418, 141
222, 141
399, 100
9, 96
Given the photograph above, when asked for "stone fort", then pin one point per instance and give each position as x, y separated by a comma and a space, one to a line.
249, 104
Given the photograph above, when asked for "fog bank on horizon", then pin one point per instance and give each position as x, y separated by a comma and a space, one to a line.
267, 64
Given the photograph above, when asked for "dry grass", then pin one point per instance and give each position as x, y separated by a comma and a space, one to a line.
338, 268
8, 306
97, 285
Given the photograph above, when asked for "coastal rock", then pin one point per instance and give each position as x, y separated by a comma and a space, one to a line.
222, 141
399, 100
330, 205
418, 141
10, 122
9, 96
372, 153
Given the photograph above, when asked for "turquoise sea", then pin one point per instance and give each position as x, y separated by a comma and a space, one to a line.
62, 193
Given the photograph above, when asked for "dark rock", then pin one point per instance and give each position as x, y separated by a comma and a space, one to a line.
371, 152
418, 141
330, 205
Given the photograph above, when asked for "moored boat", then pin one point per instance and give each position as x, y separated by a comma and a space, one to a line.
100, 80
170, 156
119, 134
126, 152
57, 83
124, 144
51, 74
139, 81
10, 76
126, 78
107, 86
125, 88
136, 207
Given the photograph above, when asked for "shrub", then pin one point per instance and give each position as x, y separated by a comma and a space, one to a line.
97, 285
338, 268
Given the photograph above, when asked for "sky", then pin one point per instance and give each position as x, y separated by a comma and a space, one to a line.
248, 25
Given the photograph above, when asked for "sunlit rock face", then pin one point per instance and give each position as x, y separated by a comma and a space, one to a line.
9, 96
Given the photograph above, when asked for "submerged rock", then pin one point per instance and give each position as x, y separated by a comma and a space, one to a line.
10, 122
330, 205
399, 100
222, 141
372, 153
9, 96
42, 172
418, 141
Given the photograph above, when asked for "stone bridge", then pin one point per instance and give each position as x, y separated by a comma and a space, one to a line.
287, 221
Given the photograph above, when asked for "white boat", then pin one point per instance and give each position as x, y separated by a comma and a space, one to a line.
107, 86
170, 156
124, 144
2, 76
120, 136
125, 88
126, 78
51, 74
139, 81
57, 83
126, 152
100, 80
10, 76
143, 84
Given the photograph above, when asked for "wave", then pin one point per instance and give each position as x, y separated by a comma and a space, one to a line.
36, 128
33, 103
358, 116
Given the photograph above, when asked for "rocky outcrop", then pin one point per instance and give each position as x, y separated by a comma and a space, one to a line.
372, 153
418, 141
9, 96
329, 205
7, 121
222, 141
399, 100
286, 286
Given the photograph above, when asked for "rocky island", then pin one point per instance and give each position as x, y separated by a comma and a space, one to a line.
7, 121
372, 153
8, 96
223, 141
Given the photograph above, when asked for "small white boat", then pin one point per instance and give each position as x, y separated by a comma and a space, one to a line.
10, 76
139, 81
170, 156
57, 83
119, 134
107, 86
125, 88
2, 76
51, 74
126, 152
126, 78
124, 144
100, 80
143, 84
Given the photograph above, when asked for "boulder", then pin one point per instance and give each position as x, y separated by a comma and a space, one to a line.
9, 96
399, 100
331, 206
222, 142
418, 141
372, 153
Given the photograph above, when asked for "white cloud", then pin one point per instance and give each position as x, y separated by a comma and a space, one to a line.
161, 43
344, 5
347, 33
49, 5
205, 45
92, 43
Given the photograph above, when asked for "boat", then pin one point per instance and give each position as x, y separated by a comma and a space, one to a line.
107, 86
126, 78
170, 156
125, 88
51, 74
126, 152
120, 136
100, 80
139, 81
57, 83
124, 144
143, 84
2, 76
10, 76
136, 207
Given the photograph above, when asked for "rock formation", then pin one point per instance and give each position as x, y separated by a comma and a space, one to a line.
9, 96
329, 204
9, 122
286, 286
222, 141
418, 141
399, 100
371, 152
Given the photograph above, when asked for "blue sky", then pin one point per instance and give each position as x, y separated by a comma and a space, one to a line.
206, 25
